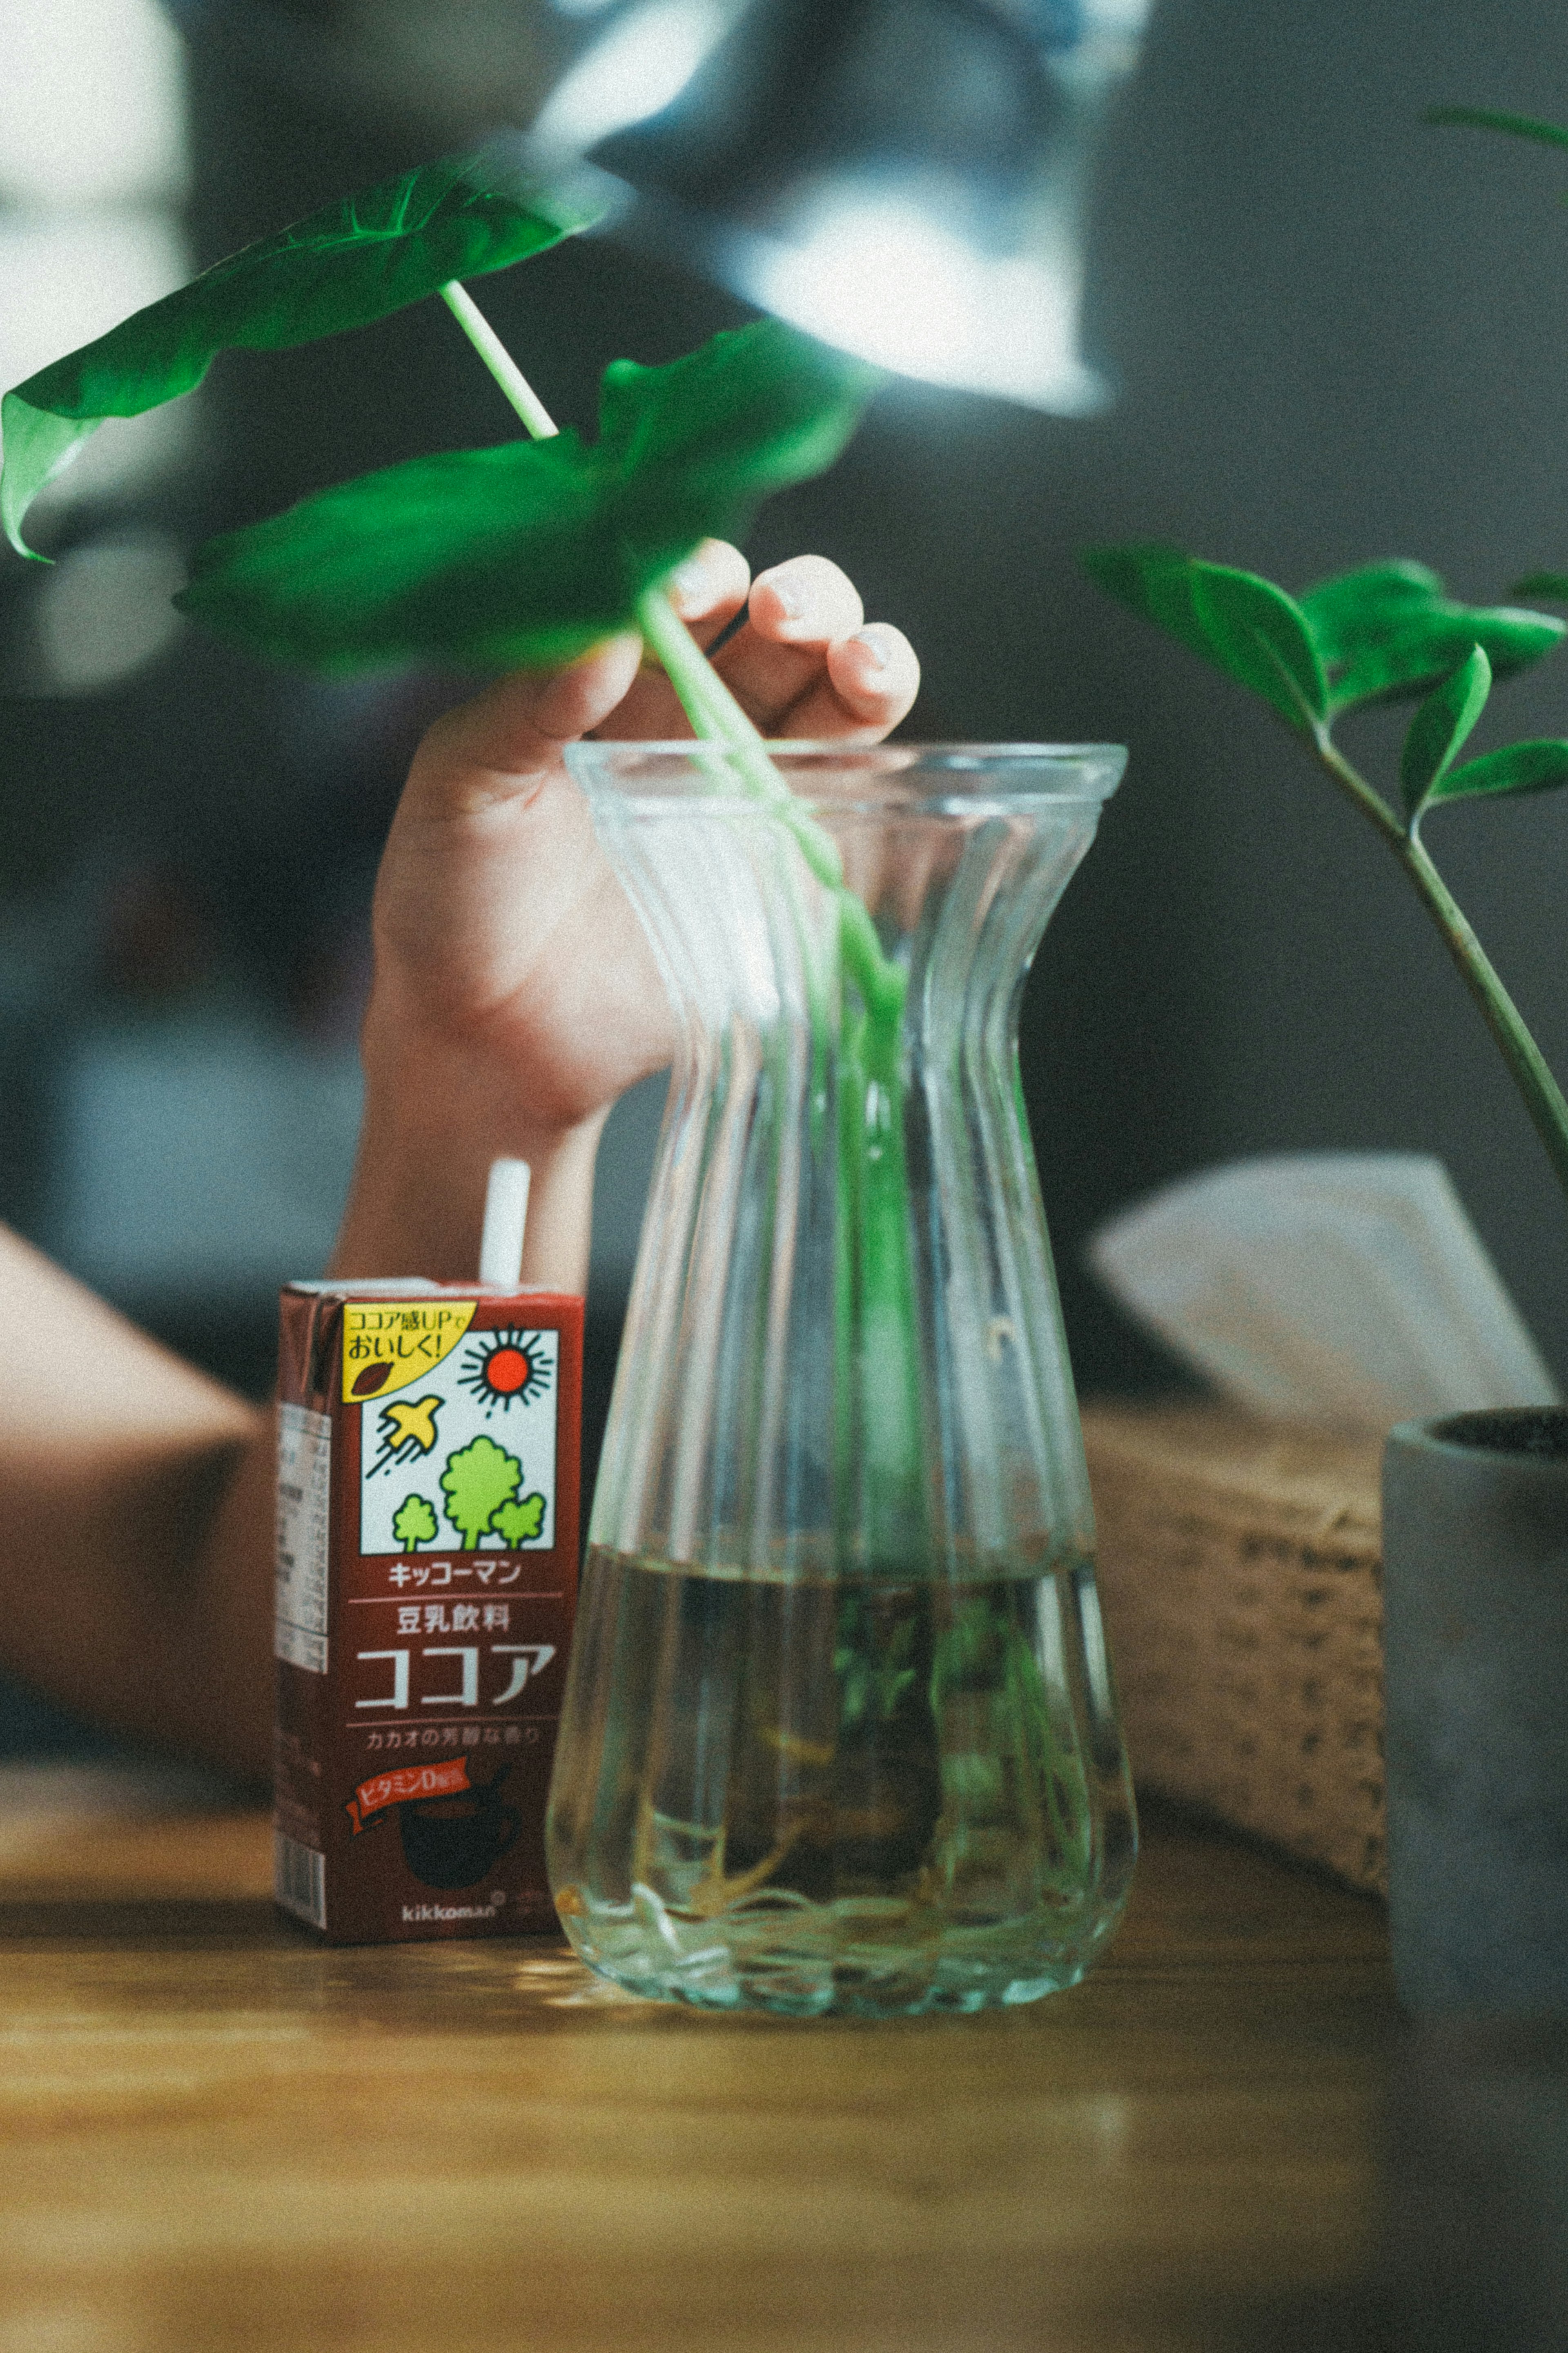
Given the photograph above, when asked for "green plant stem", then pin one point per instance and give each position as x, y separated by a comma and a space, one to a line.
878, 1416
1543, 1098
708, 702
499, 361
878, 1392
714, 713
713, 709
1353, 784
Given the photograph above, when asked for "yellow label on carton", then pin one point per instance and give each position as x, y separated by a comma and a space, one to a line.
388, 1343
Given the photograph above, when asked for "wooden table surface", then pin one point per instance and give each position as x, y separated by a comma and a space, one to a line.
218, 2136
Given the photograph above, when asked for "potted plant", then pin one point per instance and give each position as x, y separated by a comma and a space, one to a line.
1475, 1506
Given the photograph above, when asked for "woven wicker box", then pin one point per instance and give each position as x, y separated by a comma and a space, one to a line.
1241, 1582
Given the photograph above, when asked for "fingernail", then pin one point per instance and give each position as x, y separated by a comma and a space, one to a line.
792, 604
689, 585
874, 651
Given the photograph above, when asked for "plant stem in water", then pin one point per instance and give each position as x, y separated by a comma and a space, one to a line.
879, 1405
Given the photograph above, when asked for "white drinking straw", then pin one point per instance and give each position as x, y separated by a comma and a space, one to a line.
506, 1216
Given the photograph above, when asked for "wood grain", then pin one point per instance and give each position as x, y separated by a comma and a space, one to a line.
216, 2135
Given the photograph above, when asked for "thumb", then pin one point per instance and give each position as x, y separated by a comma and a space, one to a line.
508, 738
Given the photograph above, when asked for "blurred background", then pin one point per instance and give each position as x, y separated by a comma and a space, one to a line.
1332, 334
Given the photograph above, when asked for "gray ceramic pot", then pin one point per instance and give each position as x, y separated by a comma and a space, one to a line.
1475, 1542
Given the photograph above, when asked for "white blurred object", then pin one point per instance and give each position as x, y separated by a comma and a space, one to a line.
91, 105
103, 612
94, 166
908, 183
506, 1222
642, 63
1345, 1288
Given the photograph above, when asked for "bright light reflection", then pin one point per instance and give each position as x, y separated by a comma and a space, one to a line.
91, 107
105, 613
93, 160
1115, 19
70, 276
882, 278
66, 278
636, 69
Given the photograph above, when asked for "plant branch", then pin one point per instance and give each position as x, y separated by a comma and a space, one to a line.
1351, 783
1543, 1098
714, 713
698, 683
708, 702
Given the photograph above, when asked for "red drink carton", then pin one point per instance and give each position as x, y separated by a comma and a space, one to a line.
427, 1482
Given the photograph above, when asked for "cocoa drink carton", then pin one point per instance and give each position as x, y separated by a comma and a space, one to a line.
427, 1493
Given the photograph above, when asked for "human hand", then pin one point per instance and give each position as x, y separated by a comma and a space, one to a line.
515, 997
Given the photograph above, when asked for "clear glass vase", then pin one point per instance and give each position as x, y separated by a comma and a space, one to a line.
839, 1733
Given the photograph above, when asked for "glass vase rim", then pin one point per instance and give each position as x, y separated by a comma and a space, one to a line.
1088, 773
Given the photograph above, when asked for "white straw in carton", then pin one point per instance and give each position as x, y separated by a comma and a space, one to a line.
506, 1216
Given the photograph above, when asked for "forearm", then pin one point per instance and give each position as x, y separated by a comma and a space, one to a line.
416, 1203
186, 1662
136, 1501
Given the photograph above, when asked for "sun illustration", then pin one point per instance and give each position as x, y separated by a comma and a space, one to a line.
506, 1368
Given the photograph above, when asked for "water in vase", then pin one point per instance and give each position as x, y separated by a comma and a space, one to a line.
876, 1796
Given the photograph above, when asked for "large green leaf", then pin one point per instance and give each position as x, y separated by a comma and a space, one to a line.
1155, 580
340, 268
1410, 656
1260, 635
1533, 767
765, 399
1244, 625
1387, 632
1441, 728
532, 552
1355, 608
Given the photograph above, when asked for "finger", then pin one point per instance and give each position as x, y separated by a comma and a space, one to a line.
806, 602
707, 590
506, 740
795, 612
868, 683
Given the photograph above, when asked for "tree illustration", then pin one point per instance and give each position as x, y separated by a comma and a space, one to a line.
520, 1521
477, 1480
414, 1523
